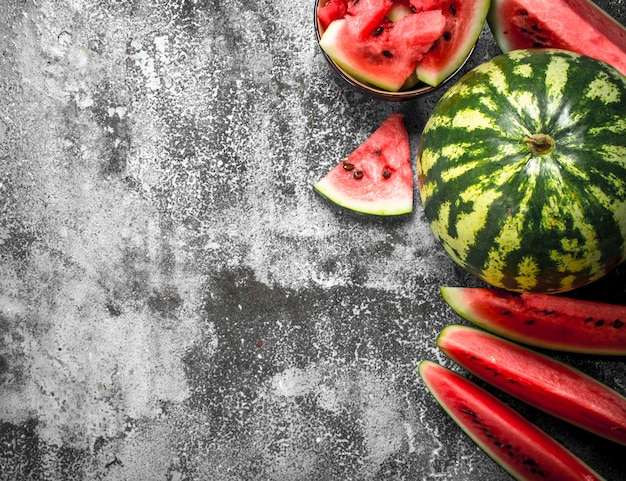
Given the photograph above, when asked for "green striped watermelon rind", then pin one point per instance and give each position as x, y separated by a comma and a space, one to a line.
519, 221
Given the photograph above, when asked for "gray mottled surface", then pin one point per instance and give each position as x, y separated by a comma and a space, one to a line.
176, 303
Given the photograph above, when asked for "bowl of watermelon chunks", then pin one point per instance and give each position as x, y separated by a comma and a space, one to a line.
398, 49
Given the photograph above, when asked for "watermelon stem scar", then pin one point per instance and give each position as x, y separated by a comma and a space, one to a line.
540, 144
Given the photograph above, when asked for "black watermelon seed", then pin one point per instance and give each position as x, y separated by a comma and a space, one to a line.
469, 412
599, 323
453, 9
348, 166
588, 320
530, 322
386, 174
617, 323
447, 36
523, 13
387, 53
358, 174
378, 31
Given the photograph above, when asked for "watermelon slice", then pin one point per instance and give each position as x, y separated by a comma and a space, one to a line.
541, 381
520, 447
376, 178
464, 22
542, 320
575, 25
387, 57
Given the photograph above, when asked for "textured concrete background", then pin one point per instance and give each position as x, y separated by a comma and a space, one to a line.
176, 303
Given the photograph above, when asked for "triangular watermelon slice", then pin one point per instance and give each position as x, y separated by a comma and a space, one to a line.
376, 178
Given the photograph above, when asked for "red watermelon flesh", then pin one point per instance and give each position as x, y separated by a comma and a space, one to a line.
464, 22
575, 25
369, 13
547, 321
538, 380
331, 10
366, 15
421, 5
520, 447
387, 58
376, 178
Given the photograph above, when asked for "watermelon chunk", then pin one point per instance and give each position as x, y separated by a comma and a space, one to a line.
366, 15
576, 25
520, 447
539, 380
376, 178
464, 22
388, 57
542, 320
330, 11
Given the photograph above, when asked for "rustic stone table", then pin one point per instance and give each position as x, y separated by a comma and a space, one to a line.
176, 303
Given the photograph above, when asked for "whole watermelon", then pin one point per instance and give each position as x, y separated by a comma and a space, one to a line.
522, 170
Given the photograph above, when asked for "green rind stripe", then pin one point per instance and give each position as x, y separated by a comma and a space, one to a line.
571, 203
